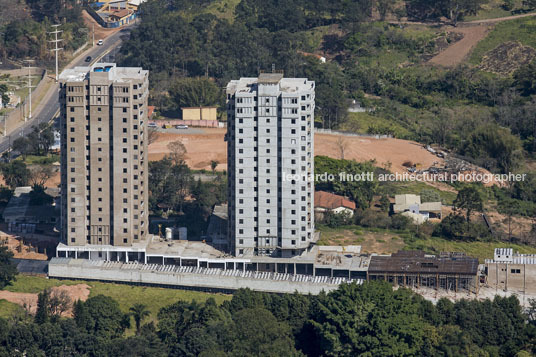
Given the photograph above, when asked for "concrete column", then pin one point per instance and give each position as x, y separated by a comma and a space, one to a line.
145, 258
126, 257
107, 255
163, 260
294, 268
117, 256
75, 254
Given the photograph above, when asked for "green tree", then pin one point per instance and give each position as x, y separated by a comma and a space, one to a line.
213, 165
195, 92
525, 77
100, 315
385, 203
470, 200
258, 333
22, 145
384, 7
15, 174
8, 270
139, 312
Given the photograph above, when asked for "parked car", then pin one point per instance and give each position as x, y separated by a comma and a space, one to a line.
152, 125
88, 59
181, 126
100, 43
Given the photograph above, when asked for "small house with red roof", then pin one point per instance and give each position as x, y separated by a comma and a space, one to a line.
330, 202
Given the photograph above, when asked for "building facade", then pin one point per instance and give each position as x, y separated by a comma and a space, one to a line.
104, 172
270, 144
511, 271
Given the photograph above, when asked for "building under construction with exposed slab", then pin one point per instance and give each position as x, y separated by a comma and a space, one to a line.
448, 271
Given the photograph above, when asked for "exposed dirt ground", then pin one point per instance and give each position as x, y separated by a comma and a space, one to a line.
202, 148
29, 300
100, 32
484, 293
14, 244
459, 50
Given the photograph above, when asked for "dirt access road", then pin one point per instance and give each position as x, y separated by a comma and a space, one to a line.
473, 32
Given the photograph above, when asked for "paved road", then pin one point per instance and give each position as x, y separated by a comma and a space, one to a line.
51, 106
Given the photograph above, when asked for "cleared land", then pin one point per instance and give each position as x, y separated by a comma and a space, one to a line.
202, 148
457, 52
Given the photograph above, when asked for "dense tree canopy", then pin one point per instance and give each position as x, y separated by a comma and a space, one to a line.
369, 319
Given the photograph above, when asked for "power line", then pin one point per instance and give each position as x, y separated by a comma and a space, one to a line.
56, 41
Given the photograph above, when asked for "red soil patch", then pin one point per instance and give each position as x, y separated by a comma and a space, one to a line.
100, 32
202, 148
458, 51
29, 300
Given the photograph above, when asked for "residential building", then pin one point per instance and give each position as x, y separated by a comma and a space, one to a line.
411, 206
330, 202
104, 155
270, 165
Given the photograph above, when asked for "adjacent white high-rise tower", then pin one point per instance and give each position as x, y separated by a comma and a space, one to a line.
270, 163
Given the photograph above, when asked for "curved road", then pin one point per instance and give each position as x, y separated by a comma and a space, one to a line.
51, 105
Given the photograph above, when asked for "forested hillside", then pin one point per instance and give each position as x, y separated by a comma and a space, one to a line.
24, 26
485, 117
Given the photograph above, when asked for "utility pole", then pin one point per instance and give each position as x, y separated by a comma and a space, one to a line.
55, 41
93, 42
29, 92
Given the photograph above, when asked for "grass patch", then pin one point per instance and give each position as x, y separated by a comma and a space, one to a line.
480, 250
364, 123
35, 284
154, 298
8, 309
40, 160
522, 30
223, 9
492, 10
126, 295
414, 187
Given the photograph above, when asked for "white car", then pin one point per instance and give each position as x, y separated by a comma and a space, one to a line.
152, 125
181, 126
100, 43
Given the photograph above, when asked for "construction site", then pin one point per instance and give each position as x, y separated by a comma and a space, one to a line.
197, 265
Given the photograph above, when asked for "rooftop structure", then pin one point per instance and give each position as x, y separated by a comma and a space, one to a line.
511, 271
332, 201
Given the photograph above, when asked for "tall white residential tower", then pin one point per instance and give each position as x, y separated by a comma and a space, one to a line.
270, 160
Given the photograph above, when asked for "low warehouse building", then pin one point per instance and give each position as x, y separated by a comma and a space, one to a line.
449, 271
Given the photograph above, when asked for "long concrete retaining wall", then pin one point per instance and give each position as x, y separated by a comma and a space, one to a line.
189, 277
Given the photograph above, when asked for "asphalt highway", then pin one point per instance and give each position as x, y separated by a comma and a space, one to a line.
51, 106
